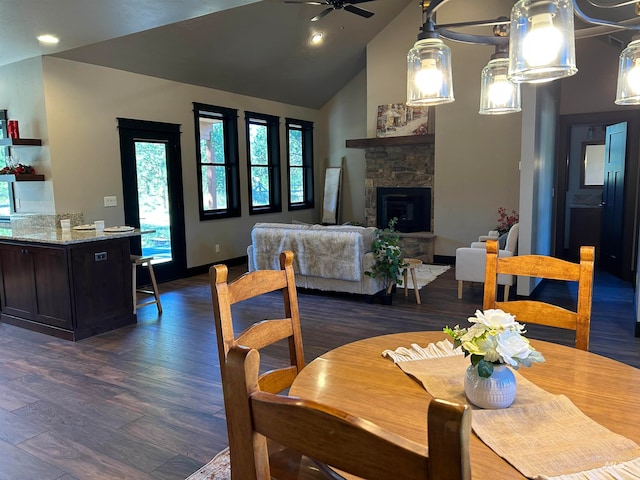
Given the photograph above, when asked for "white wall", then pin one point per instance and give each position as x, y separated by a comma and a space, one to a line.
346, 113
22, 94
83, 102
387, 63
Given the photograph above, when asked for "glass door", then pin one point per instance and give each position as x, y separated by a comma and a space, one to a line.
153, 199
152, 185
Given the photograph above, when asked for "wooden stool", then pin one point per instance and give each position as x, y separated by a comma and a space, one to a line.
144, 261
412, 264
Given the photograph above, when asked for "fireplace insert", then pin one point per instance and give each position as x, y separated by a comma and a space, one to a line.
410, 205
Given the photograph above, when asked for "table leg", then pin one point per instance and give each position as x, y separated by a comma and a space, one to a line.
415, 285
406, 288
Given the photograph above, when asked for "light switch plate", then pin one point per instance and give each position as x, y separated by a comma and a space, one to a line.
110, 201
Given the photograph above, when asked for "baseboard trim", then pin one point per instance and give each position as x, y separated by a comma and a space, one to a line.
444, 260
200, 269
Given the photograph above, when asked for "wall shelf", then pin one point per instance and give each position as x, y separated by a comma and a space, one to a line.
20, 142
22, 177
391, 141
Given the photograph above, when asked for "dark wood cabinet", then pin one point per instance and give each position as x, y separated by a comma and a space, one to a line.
71, 291
16, 268
36, 284
101, 284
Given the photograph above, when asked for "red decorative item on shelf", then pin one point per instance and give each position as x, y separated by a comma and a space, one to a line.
18, 169
12, 129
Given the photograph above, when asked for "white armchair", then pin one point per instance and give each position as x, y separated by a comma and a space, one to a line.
492, 235
471, 262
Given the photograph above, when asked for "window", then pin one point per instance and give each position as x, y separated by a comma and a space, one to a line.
300, 163
217, 146
263, 158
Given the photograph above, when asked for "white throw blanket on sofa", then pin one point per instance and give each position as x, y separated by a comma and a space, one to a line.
319, 251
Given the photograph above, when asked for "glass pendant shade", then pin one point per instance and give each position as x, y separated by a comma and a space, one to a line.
497, 94
628, 91
541, 41
429, 80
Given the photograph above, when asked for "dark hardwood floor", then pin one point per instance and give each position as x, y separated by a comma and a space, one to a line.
145, 402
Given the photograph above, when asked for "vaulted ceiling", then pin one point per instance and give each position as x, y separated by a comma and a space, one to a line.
250, 47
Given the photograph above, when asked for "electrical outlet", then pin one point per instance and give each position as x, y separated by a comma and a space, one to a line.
17, 203
110, 201
217, 248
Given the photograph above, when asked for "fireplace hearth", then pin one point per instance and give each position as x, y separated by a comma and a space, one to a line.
410, 205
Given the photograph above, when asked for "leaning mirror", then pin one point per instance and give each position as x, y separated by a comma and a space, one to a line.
592, 174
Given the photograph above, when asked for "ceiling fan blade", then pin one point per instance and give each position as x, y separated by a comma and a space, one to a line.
322, 14
305, 2
359, 11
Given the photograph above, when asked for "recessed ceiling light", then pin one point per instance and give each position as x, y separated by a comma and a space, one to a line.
316, 38
48, 39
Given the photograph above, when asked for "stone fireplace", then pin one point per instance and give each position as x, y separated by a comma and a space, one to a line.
398, 163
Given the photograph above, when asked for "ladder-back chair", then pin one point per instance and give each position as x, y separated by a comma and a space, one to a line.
260, 334
263, 332
539, 266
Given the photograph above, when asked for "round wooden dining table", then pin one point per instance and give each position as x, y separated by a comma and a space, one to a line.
359, 380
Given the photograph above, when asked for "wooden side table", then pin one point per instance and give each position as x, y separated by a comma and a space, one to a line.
411, 267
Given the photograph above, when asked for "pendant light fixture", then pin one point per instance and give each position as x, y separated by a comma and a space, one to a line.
498, 95
628, 91
542, 44
429, 79
541, 41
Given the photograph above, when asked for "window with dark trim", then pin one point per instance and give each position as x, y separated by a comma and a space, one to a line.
217, 146
263, 161
300, 163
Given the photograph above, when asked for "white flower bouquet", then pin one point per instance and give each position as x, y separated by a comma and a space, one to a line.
494, 338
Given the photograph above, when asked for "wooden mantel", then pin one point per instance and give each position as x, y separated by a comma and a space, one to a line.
391, 141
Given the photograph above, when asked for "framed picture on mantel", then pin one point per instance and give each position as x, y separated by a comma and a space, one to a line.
400, 120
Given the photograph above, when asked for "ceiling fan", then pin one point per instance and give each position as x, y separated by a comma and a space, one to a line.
348, 5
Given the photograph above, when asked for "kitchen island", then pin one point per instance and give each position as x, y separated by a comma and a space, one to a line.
67, 283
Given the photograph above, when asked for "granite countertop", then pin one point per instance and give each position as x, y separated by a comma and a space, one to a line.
59, 236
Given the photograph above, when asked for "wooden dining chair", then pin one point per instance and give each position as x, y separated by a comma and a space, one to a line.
346, 442
539, 266
262, 332
258, 335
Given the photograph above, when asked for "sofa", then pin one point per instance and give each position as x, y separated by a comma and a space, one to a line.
329, 258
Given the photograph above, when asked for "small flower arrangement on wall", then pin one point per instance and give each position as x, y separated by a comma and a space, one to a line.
505, 222
17, 169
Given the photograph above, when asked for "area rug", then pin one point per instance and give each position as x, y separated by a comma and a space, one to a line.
426, 274
217, 469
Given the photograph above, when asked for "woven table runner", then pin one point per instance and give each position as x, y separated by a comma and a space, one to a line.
544, 436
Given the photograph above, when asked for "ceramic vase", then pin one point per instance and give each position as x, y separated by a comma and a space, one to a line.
496, 391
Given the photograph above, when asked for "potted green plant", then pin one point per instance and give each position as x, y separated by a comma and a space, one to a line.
388, 262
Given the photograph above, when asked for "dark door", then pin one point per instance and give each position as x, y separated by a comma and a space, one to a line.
613, 198
152, 184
